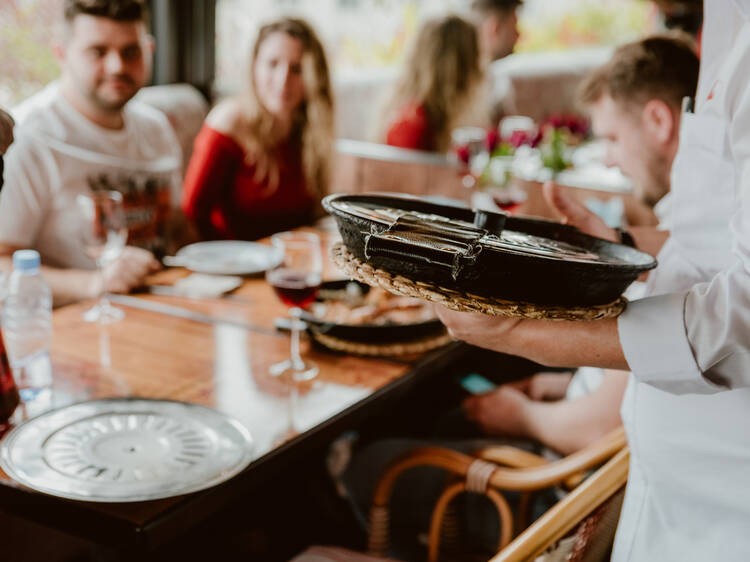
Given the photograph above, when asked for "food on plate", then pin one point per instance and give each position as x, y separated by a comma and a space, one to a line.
378, 308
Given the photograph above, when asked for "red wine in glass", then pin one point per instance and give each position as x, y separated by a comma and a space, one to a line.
293, 287
507, 204
508, 198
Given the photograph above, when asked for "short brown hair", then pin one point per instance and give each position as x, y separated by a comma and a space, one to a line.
120, 10
661, 67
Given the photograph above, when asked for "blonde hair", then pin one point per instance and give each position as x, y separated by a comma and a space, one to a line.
441, 73
312, 123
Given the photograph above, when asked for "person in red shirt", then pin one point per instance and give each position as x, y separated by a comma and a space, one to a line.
261, 161
438, 81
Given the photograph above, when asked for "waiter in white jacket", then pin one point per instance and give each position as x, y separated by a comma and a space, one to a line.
687, 407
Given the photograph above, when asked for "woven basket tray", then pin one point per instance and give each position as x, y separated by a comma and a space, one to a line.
466, 302
396, 349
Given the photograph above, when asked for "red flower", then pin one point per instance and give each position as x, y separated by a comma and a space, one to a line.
491, 140
536, 139
518, 138
576, 125
463, 154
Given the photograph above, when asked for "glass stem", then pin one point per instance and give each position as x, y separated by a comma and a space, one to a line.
103, 302
296, 314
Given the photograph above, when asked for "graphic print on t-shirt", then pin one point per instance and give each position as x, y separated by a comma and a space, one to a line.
146, 199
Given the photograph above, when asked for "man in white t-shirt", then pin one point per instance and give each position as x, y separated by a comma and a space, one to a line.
83, 134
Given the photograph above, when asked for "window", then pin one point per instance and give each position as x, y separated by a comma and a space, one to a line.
27, 63
565, 24
366, 35
358, 34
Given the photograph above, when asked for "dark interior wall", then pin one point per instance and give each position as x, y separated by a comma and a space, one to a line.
185, 33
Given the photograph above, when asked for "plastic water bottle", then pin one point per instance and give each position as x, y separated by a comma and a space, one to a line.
27, 325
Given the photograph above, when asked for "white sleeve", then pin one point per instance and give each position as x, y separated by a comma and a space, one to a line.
26, 194
699, 341
717, 314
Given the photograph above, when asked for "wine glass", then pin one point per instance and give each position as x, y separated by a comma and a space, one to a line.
296, 281
508, 198
104, 236
467, 143
505, 191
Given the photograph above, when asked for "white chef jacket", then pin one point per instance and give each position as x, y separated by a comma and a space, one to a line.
687, 407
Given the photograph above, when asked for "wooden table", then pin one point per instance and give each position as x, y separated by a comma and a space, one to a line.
222, 366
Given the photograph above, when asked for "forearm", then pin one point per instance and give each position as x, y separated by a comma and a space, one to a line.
574, 343
560, 426
71, 285
552, 343
649, 239
570, 425
67, 285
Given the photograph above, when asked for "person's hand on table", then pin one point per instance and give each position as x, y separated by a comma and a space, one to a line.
129, 270
503, 411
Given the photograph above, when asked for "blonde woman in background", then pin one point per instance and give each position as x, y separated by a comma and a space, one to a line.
261, 162
439, 80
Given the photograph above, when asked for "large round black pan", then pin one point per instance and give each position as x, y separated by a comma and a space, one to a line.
489, 254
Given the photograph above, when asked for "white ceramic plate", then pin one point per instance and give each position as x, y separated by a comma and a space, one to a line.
226, 257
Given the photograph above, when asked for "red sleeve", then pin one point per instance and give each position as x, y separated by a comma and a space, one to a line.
410, 130
209, 176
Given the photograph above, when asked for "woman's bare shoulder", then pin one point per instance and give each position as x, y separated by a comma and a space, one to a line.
226, 117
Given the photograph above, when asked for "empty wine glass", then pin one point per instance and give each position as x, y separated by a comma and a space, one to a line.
104, 234
296, 281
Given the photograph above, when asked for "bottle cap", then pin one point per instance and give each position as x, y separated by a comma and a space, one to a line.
26, 260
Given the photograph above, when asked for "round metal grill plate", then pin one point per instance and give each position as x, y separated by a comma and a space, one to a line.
124, 450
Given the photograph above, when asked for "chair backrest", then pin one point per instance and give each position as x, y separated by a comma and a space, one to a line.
366, 167
520, 474
577, 509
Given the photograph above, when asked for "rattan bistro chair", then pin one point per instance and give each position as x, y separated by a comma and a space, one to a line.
497, 469
590, 510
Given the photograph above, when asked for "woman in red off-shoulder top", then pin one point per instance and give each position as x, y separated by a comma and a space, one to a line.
260, 163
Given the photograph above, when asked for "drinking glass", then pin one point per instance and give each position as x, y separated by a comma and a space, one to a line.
104, 234
296, 281
508, 198
467, 143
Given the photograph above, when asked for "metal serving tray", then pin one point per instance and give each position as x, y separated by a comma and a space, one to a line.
126, 450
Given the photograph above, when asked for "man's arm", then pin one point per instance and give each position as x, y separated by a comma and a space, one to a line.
648, 239
549, 342
71, 285
564, 425
570, 425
